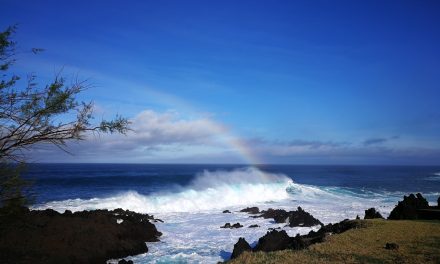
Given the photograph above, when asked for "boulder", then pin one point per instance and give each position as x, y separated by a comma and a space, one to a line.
391, 246
241, 246
372, 213
226, 212
407, 209
81, 237
250, 210
253, 226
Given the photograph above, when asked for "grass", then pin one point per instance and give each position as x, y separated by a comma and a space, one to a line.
419, 242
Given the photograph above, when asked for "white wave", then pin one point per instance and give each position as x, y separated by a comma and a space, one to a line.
436, 177
192, 214
208, 191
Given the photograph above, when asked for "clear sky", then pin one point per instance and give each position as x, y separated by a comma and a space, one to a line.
300, 82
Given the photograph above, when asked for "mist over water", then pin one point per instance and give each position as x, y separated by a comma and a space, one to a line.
207, 191
192, 199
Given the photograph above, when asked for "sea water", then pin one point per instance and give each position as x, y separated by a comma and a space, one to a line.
190, 198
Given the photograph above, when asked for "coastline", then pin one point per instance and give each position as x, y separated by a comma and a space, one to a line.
418, 241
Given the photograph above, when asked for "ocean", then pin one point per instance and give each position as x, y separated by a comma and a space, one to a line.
190, 198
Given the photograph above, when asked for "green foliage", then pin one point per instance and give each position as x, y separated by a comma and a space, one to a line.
30, 115
12, 187
34, 115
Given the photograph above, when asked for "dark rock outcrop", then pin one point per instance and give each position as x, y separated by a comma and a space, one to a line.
226, 212
293, 218
279, 240
407, 209
253, 226
274, 240
241, 246
81, 237
372, 213
228, 225
250, 210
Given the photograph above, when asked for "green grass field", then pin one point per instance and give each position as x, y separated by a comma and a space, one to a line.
419, 242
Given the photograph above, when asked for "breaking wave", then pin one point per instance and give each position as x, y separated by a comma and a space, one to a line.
208, 191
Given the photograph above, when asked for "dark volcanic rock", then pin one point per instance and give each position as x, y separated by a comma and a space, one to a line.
372, 213
253, 226
438, 202
279, 240
274, 240
241, 246
81, 237
236, 225
228, 225
250, 210
392, 246
278, 215
407, 209
226, 212
293, 218
302, 218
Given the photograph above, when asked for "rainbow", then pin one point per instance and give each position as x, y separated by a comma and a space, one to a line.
235, 142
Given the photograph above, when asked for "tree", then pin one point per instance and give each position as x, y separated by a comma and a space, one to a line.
34, 115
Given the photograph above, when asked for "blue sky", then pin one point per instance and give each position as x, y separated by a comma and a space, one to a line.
300, 82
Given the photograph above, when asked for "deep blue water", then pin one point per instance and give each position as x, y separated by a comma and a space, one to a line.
68, 181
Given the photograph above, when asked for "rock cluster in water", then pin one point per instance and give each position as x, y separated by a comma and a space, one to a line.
81, 237
292, 218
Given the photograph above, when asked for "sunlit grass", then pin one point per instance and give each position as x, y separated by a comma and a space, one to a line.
419, 242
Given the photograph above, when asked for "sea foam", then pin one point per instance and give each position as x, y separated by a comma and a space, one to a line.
208, 191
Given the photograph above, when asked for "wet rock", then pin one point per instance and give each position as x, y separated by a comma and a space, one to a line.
241, 246
226, 212
236, 225
81, 237
228, 225
391, 246
372, 213
253, 226
407, 209
293, 218
250, 210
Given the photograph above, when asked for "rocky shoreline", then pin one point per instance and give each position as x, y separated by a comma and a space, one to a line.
412, 207
32, 236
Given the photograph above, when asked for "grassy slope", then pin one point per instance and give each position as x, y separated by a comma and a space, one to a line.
419, 242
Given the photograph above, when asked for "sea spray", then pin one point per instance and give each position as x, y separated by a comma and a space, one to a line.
208, 191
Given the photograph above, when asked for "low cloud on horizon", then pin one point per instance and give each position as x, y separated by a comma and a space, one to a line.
167, 137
